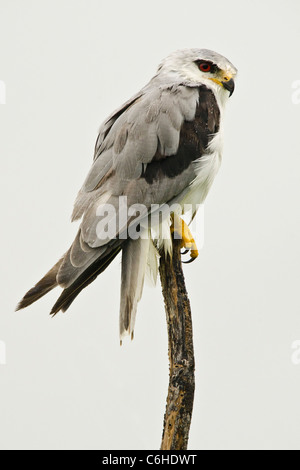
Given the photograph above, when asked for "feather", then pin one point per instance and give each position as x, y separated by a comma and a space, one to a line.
87, 277
152, 264
45, 285
134, 262
99, 169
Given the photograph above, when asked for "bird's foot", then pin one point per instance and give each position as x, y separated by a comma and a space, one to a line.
188, 243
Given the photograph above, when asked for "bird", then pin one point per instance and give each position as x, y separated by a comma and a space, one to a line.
154, 156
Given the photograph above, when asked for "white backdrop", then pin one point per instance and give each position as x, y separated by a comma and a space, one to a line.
65, 383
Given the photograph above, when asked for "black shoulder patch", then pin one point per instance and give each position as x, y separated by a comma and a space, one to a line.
194, 138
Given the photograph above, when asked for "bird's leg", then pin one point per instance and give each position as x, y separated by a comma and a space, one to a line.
188, 242
181, 231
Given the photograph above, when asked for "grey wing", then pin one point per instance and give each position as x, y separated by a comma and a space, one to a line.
135, 157
138, 158
147, 156
145, 152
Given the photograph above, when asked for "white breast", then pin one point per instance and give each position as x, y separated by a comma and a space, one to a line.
206, 169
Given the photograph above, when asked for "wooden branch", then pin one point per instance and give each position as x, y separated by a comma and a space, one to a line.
181, 352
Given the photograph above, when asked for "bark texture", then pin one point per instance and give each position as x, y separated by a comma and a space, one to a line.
180, 398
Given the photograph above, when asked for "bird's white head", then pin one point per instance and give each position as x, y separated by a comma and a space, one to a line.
201, 67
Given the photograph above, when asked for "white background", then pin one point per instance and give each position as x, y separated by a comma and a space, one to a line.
67, 384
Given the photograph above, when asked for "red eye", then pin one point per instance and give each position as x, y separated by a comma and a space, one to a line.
205, 67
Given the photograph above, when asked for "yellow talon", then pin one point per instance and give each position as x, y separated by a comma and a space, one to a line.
187, 240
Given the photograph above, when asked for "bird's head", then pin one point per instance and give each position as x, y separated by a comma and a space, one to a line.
201, 67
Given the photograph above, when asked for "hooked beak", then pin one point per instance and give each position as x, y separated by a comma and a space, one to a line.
228, 85
226, 81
